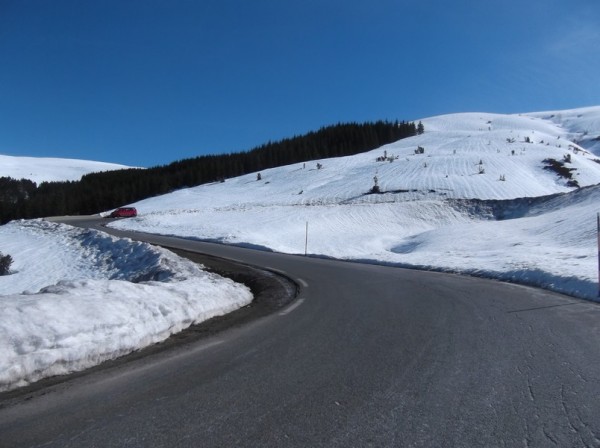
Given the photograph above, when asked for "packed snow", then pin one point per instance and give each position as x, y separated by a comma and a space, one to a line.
452, 206
472, 195
76, 298
48, 169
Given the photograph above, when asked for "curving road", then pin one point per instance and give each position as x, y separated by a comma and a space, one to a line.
366, 356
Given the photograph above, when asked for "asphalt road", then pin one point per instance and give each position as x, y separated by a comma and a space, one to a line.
365, 356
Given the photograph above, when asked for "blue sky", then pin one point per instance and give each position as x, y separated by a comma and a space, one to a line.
147, 82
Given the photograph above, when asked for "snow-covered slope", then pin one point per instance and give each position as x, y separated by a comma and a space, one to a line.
580, 125
429, 212
46, 169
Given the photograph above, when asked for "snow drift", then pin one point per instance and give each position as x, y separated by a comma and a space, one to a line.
91, 297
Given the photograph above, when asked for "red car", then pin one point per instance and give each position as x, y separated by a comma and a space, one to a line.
124, 212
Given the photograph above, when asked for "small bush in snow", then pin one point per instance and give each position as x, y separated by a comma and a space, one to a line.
386, 158
420, 150
5, 263
375, 188
573, 183
567, 158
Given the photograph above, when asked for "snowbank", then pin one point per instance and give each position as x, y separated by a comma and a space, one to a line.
79, 297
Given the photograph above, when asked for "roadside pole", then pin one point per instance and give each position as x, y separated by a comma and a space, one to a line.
306, 245
598, 229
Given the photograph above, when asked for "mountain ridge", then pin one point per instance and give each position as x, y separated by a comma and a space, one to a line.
52, 169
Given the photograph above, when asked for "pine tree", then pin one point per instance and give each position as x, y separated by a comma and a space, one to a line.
5, 262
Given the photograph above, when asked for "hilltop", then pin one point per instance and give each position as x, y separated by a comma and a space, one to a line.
464, 156
49, 169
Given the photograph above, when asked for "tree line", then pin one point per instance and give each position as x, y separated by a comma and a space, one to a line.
97, 192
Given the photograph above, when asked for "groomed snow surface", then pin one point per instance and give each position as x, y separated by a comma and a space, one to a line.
79, 297
478, 200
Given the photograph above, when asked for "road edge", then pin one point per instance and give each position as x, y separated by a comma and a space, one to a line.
271, 292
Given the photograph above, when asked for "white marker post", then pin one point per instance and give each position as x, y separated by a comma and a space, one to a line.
306, 243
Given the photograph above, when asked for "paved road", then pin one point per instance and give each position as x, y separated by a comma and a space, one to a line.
366, 356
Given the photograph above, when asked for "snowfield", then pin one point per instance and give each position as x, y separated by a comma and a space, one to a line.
478, 199
49, 169
455, 207
79, 297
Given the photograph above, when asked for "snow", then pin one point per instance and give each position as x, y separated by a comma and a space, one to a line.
436, 211
48, 169
78, 297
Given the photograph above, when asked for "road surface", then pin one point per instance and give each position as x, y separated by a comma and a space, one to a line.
365, 356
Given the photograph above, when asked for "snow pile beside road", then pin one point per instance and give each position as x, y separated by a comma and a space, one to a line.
79, 297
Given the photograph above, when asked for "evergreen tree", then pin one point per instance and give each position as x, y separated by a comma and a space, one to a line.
5, 263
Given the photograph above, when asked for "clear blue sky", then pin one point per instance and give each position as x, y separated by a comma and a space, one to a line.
147, 82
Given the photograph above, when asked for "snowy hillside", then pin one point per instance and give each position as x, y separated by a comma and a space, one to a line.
438, 198
45, 169
580, 125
